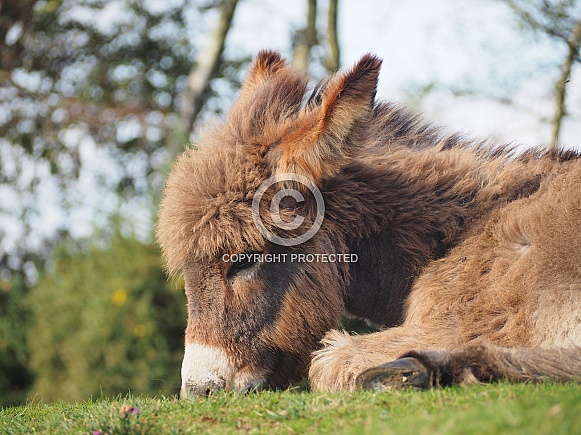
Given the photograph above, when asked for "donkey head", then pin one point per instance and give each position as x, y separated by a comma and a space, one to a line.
257, 305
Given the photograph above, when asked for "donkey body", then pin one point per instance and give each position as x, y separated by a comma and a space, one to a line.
469, 256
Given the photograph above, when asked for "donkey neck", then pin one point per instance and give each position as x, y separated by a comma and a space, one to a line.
380, 280
418, 205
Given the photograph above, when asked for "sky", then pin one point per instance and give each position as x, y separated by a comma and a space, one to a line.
473, 45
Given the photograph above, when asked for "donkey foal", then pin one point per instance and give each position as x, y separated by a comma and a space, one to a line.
468, 255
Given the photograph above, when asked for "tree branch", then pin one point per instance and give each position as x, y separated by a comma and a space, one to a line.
13, 12
306, 39
333, 61
573, 44
208, 65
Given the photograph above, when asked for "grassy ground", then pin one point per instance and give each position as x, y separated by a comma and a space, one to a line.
501, 408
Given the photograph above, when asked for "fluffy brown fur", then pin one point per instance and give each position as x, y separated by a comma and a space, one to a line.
462, 246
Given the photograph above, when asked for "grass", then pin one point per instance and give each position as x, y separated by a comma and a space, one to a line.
546, 408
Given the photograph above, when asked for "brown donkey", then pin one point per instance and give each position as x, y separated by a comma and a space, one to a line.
468, 255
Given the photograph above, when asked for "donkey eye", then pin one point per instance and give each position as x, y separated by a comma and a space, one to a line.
243, 263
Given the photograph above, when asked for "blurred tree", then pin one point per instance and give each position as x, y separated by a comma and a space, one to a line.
207, 68
307, 38
105, 321
15, 19
84, 75
73, 71
333, 61
560, 20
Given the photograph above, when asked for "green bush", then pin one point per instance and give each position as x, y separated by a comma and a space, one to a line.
15, 377
105, 322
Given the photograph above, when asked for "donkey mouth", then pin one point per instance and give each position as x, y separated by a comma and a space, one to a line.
207, 370
195, 389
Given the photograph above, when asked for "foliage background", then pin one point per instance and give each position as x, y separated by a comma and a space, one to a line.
107, 321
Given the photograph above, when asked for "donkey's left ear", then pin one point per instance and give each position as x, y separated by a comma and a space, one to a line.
327, 133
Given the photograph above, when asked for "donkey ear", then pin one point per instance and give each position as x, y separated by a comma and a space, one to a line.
348, 98
266, 65
326, 135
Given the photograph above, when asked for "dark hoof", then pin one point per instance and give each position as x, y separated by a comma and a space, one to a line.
395, 375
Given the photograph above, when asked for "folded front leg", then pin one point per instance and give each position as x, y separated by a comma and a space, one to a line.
472, 364
344, 357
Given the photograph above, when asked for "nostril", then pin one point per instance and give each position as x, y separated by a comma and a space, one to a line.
202, 388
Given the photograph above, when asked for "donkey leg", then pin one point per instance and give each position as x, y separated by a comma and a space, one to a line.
344, 357
402, 373
471, 364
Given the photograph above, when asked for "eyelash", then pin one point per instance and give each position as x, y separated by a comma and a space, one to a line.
239, 266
